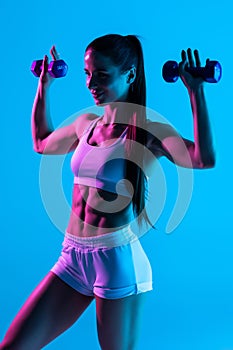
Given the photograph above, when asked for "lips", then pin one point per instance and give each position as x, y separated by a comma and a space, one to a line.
96, 94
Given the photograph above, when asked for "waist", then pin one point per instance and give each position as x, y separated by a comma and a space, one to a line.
120, 237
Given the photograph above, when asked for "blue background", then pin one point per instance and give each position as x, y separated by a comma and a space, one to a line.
191, 306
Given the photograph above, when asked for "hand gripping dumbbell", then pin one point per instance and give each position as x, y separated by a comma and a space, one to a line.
57, 68
211, 73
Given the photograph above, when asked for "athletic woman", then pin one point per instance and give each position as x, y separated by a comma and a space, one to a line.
102, 258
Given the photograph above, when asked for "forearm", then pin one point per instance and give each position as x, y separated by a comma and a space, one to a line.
41, 123
203, 152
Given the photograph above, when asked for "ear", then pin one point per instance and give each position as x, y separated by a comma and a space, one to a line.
131, 75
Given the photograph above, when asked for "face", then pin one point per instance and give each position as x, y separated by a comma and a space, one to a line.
104, 79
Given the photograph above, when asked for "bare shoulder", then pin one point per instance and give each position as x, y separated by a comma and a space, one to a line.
160, 130
157, 133
83, 121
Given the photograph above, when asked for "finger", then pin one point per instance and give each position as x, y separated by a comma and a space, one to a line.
183, 56
183, 64
190, 57
45, 64
54, 53
197, 58
44, 68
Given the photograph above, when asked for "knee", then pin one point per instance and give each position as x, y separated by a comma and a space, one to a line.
5, 345
117, 345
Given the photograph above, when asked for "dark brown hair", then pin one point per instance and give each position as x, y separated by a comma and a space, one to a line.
125, 52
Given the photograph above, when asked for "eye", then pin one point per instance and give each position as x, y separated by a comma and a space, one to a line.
102, 75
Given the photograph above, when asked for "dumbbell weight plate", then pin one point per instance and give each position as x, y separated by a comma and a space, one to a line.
213, 71
170, 71
58, 68
36, 67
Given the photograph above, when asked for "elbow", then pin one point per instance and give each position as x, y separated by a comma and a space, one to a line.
205, 158
210, 161
207, 163
37, 148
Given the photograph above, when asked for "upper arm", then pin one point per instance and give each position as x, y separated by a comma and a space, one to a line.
59, 141
164, 140
65, 139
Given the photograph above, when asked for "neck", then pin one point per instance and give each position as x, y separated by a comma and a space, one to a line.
117, 113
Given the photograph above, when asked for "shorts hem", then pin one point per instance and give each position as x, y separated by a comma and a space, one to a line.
103, 292
70, 281
110, 294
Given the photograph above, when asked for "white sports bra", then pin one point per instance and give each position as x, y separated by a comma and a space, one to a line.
101, 167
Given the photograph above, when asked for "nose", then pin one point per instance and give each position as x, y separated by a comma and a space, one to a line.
91, 83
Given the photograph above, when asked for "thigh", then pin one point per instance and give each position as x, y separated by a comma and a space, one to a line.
118, 321
52, 308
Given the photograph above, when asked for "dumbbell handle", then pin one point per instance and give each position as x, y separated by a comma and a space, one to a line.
211, 73
57, 69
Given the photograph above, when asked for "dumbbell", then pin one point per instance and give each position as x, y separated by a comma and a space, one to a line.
57, 68
211, 73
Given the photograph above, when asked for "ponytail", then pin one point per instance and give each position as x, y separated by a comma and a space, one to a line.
126, 51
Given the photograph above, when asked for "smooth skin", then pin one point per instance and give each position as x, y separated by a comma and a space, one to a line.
51, 309
54, 306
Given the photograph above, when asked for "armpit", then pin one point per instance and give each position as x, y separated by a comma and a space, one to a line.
156, 132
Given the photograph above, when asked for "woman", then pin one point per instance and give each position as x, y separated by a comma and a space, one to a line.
102, 258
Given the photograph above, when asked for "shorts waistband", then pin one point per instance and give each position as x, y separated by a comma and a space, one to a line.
109, 240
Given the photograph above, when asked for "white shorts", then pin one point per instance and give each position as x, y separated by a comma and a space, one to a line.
93, 267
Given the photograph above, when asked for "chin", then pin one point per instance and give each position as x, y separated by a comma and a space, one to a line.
101, 104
